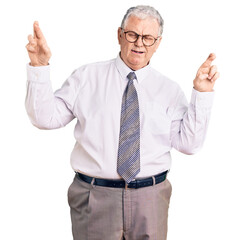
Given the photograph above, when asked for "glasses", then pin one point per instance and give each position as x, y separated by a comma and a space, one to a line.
147, 40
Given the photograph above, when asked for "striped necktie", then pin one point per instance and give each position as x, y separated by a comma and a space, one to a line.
128, 165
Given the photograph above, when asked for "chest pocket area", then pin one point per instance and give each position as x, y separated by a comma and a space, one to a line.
156, 120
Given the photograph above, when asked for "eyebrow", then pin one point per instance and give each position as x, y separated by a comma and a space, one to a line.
139, 34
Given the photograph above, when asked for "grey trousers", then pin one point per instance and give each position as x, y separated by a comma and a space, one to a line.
103, 213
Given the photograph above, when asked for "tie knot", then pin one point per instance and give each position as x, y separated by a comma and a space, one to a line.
131, 76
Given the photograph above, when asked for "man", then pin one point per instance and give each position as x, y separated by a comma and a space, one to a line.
129, 116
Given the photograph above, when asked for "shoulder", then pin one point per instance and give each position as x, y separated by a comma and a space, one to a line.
96, 67
163, 80
90, 74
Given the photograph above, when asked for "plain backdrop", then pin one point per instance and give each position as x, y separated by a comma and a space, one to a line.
207, 200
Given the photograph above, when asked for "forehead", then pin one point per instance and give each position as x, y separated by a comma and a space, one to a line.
142, 26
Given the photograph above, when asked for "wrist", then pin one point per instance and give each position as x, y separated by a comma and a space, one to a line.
38, 64
203, 90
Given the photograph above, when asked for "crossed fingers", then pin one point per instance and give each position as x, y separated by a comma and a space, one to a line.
207, 70
36, 39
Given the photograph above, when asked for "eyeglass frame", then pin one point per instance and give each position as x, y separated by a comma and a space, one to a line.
142, 36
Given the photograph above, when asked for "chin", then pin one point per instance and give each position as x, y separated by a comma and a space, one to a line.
135, 62
135, 67
138, 65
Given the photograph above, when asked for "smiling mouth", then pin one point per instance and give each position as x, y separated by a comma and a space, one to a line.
137, 52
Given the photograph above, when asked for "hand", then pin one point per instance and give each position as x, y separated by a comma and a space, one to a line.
206, 75
38, 50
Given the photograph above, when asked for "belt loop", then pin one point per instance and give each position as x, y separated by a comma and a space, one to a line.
92, 182
126, 185
154, 181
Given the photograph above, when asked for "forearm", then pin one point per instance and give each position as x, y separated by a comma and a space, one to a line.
188, 134
44, 109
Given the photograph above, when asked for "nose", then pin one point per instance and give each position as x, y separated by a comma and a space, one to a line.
139, 42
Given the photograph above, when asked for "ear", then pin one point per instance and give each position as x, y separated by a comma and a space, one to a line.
158, 43
119, 34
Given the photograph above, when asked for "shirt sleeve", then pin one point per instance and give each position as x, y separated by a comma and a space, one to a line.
190, 121
44, 108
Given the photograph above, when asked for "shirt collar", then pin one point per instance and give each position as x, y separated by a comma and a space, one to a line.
124, 70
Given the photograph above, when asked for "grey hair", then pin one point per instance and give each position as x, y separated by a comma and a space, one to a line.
143, 12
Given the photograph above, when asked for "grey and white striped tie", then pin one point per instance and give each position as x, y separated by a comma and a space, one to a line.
128, 165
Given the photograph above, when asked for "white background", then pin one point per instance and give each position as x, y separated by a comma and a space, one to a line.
207, 200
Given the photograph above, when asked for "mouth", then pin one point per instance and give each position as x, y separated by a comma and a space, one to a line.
137, 52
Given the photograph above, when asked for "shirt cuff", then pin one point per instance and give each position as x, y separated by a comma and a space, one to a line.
202, 99
38, 74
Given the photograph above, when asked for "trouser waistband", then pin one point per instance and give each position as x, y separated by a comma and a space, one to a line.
138, 183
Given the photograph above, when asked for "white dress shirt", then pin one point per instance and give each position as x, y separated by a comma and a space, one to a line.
93, 95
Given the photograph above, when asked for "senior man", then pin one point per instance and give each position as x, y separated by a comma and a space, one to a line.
129, 116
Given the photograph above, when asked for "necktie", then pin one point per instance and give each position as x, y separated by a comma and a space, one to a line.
128, 165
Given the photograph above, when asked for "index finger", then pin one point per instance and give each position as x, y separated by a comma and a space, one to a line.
209, 60
37, 31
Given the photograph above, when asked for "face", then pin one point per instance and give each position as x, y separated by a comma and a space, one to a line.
136, 55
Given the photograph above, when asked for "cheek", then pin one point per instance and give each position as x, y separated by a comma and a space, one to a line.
149, 53
125, 48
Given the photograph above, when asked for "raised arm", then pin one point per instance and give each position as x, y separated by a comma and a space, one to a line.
45, 109
188, 132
